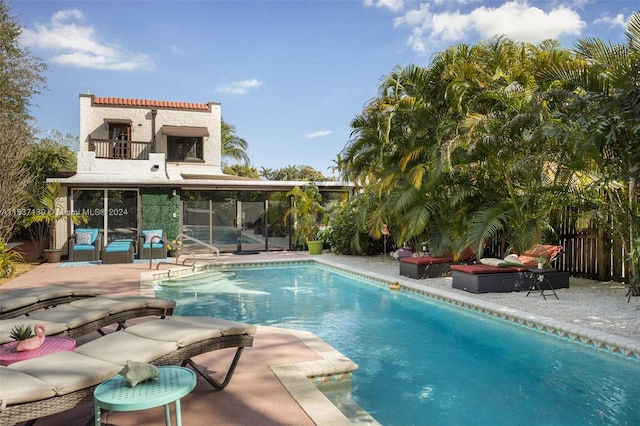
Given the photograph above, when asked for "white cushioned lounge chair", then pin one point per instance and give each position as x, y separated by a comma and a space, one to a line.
57, 382
85, 316
14, 303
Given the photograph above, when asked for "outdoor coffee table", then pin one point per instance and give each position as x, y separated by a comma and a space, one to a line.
115, 394
52, 344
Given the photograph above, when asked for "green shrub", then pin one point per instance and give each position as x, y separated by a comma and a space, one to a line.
347, 234
7, 260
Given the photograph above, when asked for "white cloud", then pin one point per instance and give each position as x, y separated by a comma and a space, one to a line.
516, 19
618, 21
76, 45
392, 5
318, 134
239, 87
177, 50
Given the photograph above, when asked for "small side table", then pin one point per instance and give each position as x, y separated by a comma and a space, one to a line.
539, 277
115, 394
52, 344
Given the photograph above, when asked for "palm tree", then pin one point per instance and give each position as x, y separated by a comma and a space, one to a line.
601, 111
233, 146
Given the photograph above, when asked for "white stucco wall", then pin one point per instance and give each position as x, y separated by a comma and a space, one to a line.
92, 125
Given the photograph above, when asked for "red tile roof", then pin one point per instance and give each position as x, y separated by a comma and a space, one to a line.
149, 103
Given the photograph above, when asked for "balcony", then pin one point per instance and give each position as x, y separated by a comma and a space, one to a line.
120, 149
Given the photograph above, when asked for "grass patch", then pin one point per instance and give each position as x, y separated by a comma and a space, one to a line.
21, 268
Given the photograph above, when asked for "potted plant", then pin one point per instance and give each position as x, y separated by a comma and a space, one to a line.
26, 341
50, 213
308, 215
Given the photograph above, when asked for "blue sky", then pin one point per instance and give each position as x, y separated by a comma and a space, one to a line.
290, 75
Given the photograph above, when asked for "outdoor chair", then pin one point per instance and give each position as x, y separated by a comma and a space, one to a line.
149, 243
509, 274
57, 382
85, 245
426, 266
14, 303
85, 316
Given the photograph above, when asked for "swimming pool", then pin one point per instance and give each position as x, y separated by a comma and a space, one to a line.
422, 361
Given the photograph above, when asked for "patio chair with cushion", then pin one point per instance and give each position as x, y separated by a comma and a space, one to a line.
57, 382
85, 245
151, 245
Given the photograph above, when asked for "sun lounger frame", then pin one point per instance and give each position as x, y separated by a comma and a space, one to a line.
116, 318
31, 411
43, 300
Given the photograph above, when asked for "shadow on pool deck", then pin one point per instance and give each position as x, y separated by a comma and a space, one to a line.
255, 395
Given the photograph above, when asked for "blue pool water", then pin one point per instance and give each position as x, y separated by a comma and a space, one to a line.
423, 362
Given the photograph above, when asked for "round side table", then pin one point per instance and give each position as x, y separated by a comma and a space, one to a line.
115, 394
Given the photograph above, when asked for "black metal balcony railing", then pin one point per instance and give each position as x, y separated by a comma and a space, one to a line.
120, 150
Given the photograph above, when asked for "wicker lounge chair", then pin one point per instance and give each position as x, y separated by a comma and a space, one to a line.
14, 303
57, 382
86, 316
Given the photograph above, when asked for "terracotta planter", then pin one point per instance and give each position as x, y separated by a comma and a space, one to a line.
52, 255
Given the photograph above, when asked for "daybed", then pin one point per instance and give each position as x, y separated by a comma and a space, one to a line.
14, 303
511, 273
425, 266
429, 266
58, 382
493, 279
85, 316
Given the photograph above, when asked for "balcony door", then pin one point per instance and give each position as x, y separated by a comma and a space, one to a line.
120, 135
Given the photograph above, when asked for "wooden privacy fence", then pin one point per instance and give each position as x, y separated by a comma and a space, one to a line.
592, 254
587, 253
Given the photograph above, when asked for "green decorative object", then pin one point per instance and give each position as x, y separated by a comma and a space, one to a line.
21, 332
315, 247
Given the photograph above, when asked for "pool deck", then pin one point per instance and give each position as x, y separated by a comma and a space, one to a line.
270, 386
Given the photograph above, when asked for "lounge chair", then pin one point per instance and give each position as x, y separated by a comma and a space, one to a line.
429, 266
57, 382
150, 246
85, 245
86, 316
488, 277
14, 303
425, 266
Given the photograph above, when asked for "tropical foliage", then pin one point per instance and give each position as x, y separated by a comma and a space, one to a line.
8, 259
21, 77
498, 139
307, 213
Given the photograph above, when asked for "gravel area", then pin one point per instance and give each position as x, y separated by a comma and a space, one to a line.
597, 305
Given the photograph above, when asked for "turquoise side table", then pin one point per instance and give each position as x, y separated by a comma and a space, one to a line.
116, 395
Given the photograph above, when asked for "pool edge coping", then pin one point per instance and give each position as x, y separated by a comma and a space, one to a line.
298, 378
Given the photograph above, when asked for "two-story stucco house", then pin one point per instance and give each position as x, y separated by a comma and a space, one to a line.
147, 164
